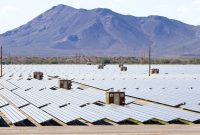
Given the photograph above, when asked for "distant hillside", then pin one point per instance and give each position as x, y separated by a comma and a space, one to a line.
64, 30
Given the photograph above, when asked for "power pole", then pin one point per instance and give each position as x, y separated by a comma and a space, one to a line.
1, 61
149, 60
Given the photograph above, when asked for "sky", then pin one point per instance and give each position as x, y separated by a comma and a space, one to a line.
14, 13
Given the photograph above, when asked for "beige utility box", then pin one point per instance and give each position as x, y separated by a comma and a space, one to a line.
117, 98
100, 66
154, 71
38, 75
123, 68
65, 84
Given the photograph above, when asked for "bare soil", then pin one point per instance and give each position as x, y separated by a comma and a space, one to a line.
105, 130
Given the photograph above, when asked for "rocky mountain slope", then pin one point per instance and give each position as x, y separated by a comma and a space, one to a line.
64, 30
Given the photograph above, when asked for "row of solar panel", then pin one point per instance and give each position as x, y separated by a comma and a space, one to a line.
114, 113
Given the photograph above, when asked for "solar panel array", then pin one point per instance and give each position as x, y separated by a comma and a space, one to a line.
166, 97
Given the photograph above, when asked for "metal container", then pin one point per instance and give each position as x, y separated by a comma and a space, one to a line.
154, 71
65, 84
117, 98
38, 75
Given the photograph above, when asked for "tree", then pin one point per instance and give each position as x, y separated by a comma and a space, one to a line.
106, 61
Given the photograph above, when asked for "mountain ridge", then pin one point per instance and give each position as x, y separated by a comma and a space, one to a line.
64, 30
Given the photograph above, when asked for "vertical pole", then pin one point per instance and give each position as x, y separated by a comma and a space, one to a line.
76, 58
149, 60
1, 62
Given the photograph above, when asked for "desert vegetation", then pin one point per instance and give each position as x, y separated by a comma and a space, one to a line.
97, 60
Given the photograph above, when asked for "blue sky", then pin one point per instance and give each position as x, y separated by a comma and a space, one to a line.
14, 13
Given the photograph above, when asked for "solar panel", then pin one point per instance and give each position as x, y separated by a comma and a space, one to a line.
13, 114
174, 86
37, 114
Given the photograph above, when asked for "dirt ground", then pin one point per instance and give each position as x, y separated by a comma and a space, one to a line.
105, 130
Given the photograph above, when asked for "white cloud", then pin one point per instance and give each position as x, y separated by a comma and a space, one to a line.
7, 9
189, 12
181, 9
196, 2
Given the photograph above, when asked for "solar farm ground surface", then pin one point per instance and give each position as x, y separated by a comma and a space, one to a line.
106, 130
168, 98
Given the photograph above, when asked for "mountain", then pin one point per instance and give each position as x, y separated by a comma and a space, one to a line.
64, 30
